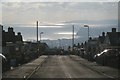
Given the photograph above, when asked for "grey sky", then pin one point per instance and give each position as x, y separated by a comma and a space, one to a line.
25, 14
60, 0
57, 12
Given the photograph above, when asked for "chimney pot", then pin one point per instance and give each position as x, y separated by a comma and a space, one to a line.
113, 29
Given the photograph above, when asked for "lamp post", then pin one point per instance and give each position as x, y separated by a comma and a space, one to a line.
40, 36
88, 30
88, 42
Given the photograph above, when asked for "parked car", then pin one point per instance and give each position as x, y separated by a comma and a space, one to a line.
3, 57
82, 52
108, 57
5, 66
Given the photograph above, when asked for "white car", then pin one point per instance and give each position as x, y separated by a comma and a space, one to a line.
3, 56
107, 56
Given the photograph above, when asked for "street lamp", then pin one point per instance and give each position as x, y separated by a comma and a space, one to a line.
88, 42
40, 35
88, 30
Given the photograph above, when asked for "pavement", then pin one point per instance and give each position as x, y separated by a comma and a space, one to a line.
25, 70
105, 70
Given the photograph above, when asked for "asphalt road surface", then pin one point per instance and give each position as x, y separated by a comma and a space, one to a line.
61, 66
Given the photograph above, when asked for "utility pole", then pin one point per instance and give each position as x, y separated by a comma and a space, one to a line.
37, 40
37, 31
73, 38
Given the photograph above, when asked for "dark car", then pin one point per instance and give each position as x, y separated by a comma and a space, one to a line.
82, 52
108, 57
4, 63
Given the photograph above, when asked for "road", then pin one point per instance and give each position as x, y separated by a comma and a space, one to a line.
62, 66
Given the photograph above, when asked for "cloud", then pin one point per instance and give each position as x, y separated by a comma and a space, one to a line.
57, 11
50, 26
23, 16
59, 0
65, 33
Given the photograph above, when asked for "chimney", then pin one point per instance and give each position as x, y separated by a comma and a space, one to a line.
10, 29
103, 34
113, 29
1, 27
19, 33
90, 38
